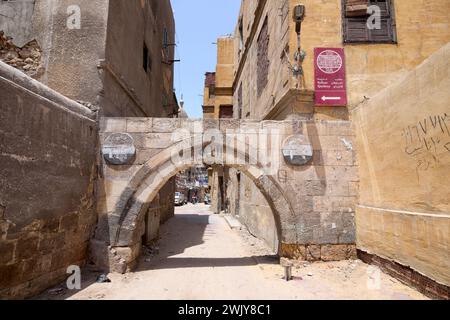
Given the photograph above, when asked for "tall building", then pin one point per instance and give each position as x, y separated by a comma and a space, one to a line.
275, 78
218, 104
116, 55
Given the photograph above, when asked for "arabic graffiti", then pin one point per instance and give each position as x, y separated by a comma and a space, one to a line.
428, 140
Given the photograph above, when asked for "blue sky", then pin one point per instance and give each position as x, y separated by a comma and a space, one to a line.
198, 25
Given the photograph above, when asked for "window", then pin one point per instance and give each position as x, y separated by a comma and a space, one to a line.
241, 35
212, 90
355, 22
154, 6
240, 102
166, 42
146, 60
226, 112
263, 58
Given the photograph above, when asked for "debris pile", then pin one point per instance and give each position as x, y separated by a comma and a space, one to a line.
27, 59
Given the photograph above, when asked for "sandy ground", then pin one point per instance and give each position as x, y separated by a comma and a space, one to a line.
201, 257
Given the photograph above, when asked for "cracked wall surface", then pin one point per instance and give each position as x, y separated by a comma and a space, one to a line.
16, 20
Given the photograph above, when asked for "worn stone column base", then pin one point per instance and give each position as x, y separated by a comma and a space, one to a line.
410, 277
332, 252
114, 259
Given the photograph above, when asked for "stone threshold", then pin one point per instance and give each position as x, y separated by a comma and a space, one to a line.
318, 252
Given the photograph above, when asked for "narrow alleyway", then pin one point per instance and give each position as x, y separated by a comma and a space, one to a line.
201, 257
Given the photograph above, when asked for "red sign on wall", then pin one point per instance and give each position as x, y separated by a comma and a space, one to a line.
330, 85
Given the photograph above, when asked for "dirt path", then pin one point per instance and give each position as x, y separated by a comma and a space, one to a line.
200, 257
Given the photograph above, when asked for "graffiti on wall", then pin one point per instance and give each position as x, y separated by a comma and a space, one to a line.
428, 140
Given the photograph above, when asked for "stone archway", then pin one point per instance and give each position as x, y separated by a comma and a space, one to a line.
312, 201
147, 181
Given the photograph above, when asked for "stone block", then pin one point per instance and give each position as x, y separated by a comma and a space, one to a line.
339, 158
144, 155
51, 225
313, 252
37, 285
51, 242
6, 252
315, 187
58, 260
337, 188
334, 204
76, 252
129, 254
99, 253
191, 126
338, 252
330, 128
161, 125
115, 188
113, 125
272, 125
69, 222
341, 173
209, 124
27, 246
288, 233
10, 275
159, 140
250, 125
3, 229
35, 267
318, 158
304, 204
293, 251
120, 172
139, 125
139, 140
229, 124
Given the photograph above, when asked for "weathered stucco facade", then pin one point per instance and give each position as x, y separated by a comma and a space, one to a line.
403, 212
420, 31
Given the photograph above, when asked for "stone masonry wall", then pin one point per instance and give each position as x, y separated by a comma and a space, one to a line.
47, 162
323, 193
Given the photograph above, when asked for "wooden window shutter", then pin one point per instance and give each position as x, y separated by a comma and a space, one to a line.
356, 8
355, 30
355, 27
263, 62
226, 112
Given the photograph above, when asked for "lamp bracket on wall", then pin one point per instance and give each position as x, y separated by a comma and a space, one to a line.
170, 62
